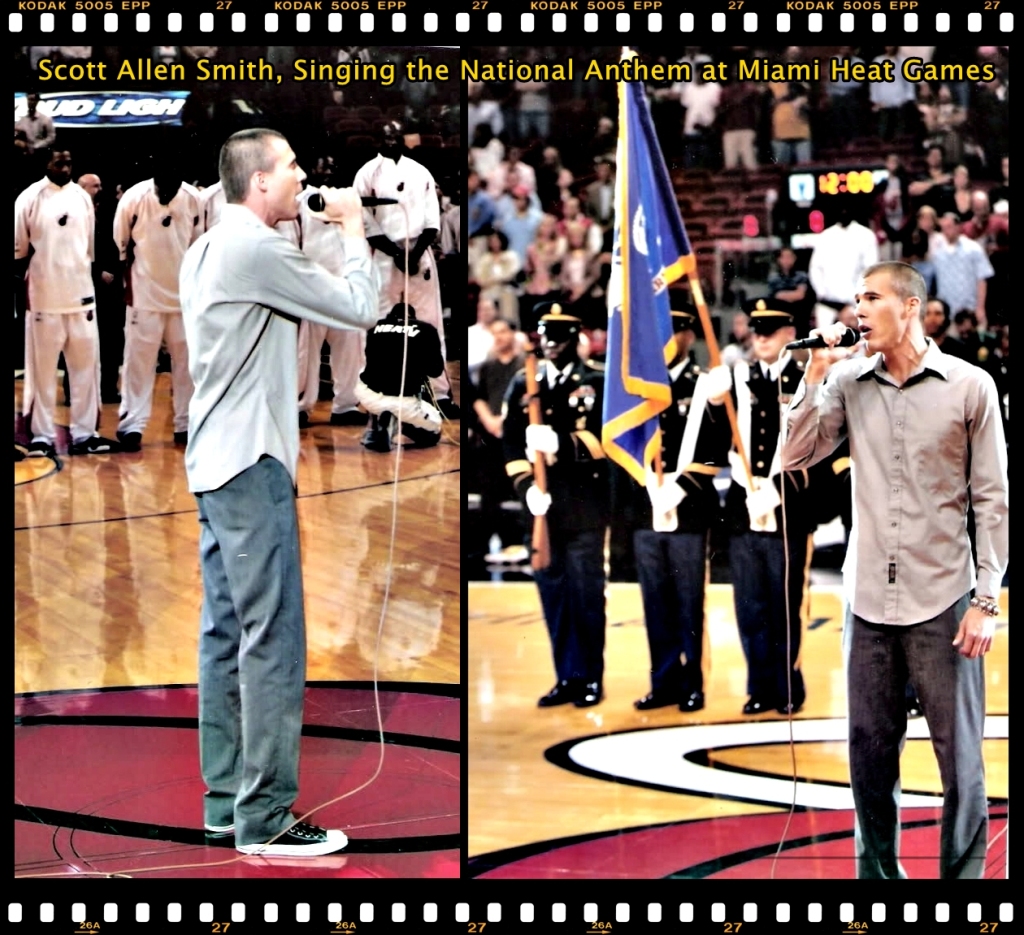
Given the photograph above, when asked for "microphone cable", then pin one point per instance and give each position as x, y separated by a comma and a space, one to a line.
789, 636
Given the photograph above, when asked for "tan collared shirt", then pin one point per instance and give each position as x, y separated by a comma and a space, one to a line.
920, 453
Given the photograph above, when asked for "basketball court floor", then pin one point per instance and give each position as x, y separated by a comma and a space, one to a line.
610, 792
107, 601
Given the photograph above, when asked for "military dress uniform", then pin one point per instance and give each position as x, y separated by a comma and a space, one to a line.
757, 557
672, 566
572, 586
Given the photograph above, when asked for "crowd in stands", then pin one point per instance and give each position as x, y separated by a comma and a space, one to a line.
541, 176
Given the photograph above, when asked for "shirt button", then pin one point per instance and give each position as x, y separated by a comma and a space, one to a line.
899, 424
548, 411
760, 447
762, 431
895, 457
762, 412
893, 525
895, 490
760, 464
892, 558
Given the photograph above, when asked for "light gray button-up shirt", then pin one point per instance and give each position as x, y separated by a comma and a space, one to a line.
243, 287
920, 453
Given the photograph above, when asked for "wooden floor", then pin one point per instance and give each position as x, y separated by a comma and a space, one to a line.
107, 586
518, 798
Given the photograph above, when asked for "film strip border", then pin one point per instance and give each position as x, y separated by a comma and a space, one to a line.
617, 19
853, 915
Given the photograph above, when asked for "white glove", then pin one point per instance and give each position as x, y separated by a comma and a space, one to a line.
665, 498
719, 383
536, 502
542, 438
761, 503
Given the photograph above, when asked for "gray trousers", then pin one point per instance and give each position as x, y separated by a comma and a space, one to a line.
879, 660
252, 652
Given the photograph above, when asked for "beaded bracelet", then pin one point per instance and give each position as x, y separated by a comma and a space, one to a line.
986, 606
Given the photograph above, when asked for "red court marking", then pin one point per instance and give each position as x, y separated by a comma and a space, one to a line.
740, 847
149, 773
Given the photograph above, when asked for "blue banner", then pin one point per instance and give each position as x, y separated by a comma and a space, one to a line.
107, 108
650, 252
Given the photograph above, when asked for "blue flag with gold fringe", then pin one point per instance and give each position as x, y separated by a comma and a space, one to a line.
651, 251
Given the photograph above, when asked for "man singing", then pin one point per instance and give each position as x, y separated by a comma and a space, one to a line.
926, 441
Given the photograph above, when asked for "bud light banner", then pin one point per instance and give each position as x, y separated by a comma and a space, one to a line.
108, 108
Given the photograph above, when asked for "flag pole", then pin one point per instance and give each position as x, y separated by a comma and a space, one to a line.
627, 53
714, 359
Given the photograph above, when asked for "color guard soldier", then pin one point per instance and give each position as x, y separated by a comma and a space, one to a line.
575, 504
672, 521
757, 558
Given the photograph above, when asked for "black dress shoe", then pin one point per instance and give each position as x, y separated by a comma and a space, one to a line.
590, 695
789, 708
914, 708
130, 441
563, 692
656, 700
693, 703
352, 417
756, 706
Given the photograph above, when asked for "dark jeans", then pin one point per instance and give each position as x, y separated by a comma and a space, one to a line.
757, 562
252, 652
572, 594
879, 660
671, 567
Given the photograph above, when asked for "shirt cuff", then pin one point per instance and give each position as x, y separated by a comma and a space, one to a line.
988, 584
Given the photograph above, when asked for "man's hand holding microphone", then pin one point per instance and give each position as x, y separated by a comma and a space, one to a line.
343, 206
837, 341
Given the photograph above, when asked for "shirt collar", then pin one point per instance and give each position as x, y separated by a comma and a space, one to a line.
934, 360
240, 214
772, 371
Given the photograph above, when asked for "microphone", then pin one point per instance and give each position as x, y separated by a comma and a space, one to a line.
316, 201
849, 338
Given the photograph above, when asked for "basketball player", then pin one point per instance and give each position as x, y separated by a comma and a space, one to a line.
54, 218
155, 222
392, 174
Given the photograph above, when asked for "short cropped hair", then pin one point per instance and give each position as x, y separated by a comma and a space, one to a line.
906, 281
243, 153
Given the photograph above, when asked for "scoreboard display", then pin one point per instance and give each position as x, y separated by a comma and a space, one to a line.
814, 198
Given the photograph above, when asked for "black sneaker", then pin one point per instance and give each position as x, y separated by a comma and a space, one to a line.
352, 417
181, 438
130, 441
97, 445
377, 437
220, 835
300, 840
42, 450
449, 409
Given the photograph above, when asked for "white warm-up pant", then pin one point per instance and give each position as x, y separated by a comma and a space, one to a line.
47, 334
424, 296
410, 409
143, 332
347, 361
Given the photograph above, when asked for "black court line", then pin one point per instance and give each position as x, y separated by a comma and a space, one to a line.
57, 467
308, 496
363, 735
447, 689
98, 824
700, 758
